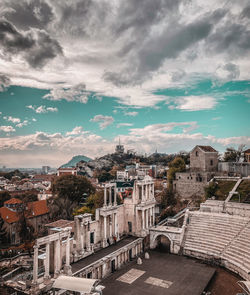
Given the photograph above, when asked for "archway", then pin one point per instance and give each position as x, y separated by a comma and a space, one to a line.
162, 243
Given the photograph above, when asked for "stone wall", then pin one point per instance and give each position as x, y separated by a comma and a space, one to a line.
231, 208
189, 184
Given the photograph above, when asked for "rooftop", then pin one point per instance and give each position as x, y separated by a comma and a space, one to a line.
207, 148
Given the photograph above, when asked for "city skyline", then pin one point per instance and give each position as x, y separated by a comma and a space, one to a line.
176, 75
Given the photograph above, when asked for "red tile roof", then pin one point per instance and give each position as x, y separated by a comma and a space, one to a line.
8, 215
247, 151
13, 201
36, 208
207, 148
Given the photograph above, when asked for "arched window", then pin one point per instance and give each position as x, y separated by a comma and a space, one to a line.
211, 162
196, 153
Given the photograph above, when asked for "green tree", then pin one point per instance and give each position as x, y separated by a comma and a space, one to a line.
72, 187
232, 155
4, 196
3, 234
177, 165
211, 190
61, 208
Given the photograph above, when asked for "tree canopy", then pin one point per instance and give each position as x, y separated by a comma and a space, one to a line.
177, 165
73, 187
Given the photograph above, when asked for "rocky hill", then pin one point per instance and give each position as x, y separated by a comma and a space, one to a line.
75, 160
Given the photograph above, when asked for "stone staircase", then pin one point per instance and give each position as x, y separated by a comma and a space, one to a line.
233, 190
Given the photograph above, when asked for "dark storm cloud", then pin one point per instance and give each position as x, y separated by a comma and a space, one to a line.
36, 46
232, 38
246, 12
28, 14
167, 45
141, 14
4, 82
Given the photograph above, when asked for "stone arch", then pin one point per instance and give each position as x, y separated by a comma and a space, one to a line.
162, 242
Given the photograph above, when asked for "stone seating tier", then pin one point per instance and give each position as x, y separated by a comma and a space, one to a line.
220, 236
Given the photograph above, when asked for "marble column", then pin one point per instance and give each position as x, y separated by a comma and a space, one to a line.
105, 197
88, 241
146, 191
110, 196
78, 236
153, 216
105, 229
67, 267
115, 220
143, 219
143, 193
47, 276
150, 217
110, 226
82, 233
146, 218
115, 196
57, 257
35, 265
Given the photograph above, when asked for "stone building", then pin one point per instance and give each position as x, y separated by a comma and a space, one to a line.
36, 214
203, 167
203, 158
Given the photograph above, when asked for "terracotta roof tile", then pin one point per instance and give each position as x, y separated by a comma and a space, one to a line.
207, 148
13, 201
36, 208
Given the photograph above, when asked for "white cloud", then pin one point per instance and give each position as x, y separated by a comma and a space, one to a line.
34, 119
7, 129
21, 124
124, 125
194, 103
75, 93
11, 119
42, 109
216, 118
56, 149
76, 131
104, 121
132, 114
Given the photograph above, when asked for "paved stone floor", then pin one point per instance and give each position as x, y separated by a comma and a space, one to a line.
162, 274
100, 254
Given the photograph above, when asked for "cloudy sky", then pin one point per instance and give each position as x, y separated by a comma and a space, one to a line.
76, 75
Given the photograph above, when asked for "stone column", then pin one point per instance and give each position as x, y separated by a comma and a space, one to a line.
35, 265
78, 242
150, 217
115, 220
57, 257
105, 231
153, 216
67, 267
82, 237
88, 241
105, 197
47, 276
146, 191
143, 193
143, 219
115, 197
110, 226
153, 191
146, 218
110, 196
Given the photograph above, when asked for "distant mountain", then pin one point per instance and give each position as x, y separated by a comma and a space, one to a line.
75, 160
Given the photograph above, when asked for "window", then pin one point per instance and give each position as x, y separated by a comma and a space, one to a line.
211, 162
196, 153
